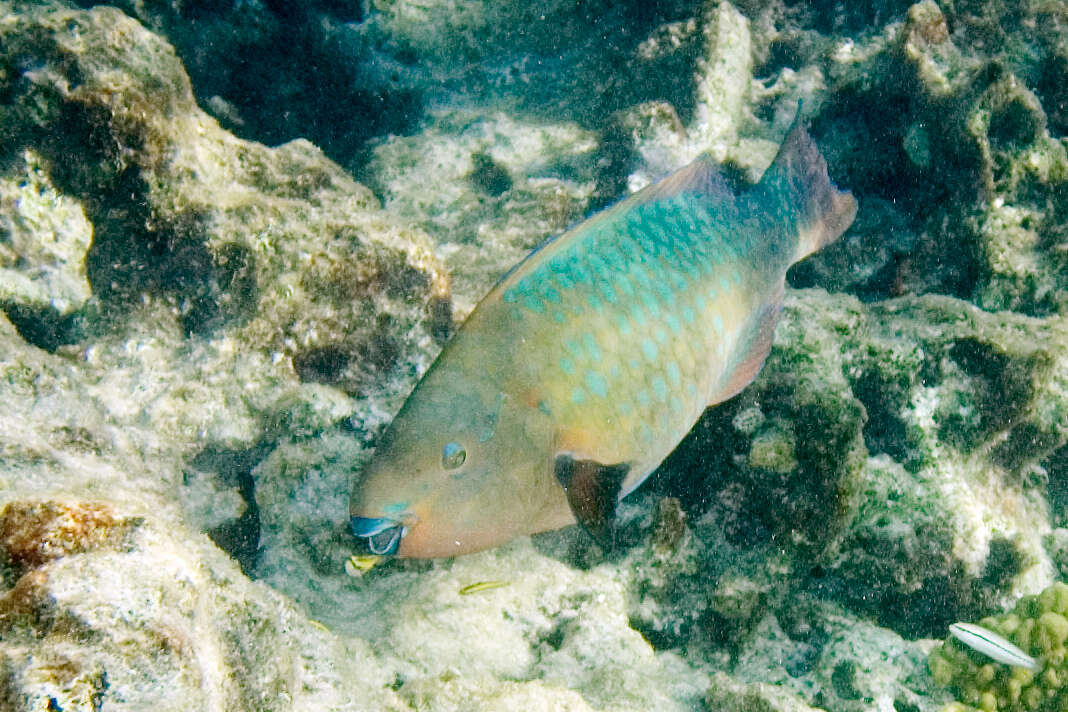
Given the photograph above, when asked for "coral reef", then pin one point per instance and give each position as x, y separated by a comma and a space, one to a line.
205, 321
167, 622
875, 504
108, 598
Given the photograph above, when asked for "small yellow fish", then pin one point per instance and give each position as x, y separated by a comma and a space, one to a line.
357, 565
482, 586
585, 366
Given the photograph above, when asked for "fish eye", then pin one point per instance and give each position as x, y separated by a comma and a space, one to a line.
453, 455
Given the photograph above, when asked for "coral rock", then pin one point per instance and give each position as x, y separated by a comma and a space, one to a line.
34, 533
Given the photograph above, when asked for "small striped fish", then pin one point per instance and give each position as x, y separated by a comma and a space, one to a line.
589, 362
992, 645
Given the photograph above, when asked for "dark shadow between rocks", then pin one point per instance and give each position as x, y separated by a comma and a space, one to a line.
240, 538
45, 327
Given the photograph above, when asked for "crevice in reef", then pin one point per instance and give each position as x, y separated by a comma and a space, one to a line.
885, 431
45, 328
240, 538
1056, 467
998, 390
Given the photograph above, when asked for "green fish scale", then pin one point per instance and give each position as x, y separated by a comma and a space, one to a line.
622, 305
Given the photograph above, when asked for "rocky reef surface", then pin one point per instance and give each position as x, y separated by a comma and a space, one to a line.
233, 236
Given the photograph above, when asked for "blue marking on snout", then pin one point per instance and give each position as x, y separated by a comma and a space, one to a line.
369, 526
383, 536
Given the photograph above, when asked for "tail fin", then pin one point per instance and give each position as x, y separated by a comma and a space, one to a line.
799, 176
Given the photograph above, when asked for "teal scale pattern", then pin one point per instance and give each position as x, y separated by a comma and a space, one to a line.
624, 304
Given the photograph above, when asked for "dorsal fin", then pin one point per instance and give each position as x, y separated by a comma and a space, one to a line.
701, 176
798, 177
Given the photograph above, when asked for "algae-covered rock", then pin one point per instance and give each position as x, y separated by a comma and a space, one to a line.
204, 248
447, 694
106, 593
724, 80
908, 494
77, 633
501, 187
727, 694
454, 33
723, 123
979, 408
1020, 225
941, 101
853, 673
44, 237
812, 653
279, 242
545, 621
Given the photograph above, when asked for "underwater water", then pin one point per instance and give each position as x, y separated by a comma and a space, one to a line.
235, 236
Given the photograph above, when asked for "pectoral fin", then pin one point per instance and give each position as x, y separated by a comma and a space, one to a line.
592, 491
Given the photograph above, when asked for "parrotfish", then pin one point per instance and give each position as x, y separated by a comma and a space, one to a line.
590, 360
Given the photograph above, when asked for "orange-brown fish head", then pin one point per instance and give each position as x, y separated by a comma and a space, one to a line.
457, 471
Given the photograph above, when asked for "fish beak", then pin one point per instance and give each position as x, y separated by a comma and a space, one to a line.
383, 535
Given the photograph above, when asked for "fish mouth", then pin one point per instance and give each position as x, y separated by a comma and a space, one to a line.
382, 535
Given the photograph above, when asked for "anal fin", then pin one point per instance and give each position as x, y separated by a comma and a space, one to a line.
750, 361
592, 491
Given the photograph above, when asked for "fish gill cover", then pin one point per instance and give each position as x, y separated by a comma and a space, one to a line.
233, 236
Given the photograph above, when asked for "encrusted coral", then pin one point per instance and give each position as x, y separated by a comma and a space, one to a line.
44, 237
1039, 626
277, 242
34, 533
